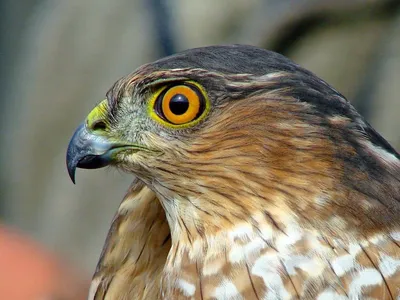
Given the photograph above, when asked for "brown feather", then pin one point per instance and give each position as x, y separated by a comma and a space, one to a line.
135, 251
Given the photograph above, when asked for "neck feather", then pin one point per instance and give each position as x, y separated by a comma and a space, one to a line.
136, 249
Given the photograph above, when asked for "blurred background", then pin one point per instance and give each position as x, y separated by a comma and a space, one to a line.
58, 58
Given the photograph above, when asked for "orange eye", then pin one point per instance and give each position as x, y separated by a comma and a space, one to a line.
180, 104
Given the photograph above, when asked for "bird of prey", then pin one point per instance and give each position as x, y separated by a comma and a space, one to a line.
254, 179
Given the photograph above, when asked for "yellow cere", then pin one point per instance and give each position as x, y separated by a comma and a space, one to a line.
98, 113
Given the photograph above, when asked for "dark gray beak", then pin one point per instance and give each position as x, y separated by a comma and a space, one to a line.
88, 150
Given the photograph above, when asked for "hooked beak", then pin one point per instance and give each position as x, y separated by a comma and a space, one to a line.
91, 147
87, 150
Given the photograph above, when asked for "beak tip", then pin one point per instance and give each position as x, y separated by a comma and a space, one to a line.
73, 154
71, 162
71, 170
72, 176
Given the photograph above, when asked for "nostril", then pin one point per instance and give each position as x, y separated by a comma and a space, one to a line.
99, 125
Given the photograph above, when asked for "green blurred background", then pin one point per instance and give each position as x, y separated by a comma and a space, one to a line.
58, 58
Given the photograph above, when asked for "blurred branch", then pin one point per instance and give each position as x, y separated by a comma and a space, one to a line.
163, 27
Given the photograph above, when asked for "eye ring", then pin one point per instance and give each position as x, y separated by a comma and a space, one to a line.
180, 104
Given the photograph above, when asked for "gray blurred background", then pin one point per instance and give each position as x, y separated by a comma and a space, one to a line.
58, 58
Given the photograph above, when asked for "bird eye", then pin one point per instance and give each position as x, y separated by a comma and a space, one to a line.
180, 104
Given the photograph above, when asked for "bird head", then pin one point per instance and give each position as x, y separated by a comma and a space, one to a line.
237, 131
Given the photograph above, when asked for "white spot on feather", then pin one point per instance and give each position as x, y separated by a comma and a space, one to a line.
227, 290
292, 236
365, 278
186, 287
354, 249
331, 295
317, 247
267, 267
307, 264
388, 265
396, 236
377, 239
345, 263
242, 231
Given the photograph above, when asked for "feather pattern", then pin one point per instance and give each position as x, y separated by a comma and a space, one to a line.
283, 192
135, 251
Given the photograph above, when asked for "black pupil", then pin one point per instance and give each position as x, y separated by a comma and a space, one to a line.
179, 104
